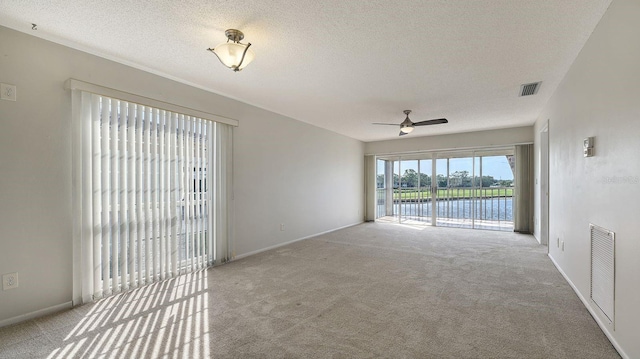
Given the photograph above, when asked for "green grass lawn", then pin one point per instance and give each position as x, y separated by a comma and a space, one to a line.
455, 193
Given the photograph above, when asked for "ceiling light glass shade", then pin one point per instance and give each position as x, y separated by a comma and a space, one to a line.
406, 129
230, 54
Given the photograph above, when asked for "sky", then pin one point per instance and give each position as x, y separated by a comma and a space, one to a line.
496, 166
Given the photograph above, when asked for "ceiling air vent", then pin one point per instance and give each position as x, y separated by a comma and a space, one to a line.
529, 89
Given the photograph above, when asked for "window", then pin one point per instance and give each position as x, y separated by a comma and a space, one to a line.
151, 190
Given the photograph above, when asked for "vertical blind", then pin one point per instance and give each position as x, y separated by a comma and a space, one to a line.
154, 194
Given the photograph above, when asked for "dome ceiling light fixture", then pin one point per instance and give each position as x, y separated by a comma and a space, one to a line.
234, 54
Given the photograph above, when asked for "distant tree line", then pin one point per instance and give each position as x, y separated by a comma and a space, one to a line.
411, 178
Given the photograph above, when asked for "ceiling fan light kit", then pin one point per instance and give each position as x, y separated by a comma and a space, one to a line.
234, 54
407, 125
406, 129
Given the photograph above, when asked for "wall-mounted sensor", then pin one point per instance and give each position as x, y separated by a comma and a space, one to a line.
588, 146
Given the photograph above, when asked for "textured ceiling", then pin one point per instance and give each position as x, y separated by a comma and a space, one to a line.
338, 64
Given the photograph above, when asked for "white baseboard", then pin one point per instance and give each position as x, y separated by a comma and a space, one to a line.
244, 255
592, 311
535, 235
36, 314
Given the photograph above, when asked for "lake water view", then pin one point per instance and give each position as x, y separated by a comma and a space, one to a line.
490, 209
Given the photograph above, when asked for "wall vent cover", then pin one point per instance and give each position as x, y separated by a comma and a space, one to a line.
603, 270
529, 89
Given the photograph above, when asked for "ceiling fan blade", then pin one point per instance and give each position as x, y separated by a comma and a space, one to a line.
388, 124
431, 122
402, 133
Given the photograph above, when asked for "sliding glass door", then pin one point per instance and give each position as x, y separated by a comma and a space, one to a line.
494, 197
413, 193
455, 191
425, 173
470, 189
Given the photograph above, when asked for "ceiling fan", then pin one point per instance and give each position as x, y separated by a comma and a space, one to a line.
407, 126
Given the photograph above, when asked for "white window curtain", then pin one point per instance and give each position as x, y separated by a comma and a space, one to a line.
151, 194
370, 188
523, 208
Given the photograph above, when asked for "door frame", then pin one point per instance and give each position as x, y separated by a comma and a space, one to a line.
544, 185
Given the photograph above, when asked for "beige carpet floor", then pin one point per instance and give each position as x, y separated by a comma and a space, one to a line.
376, 290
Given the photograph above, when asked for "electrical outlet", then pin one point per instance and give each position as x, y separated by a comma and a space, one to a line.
563, 246
8, 92
558, 242
282, 226
9, 281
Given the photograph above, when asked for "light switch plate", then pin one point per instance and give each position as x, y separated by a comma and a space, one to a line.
8, 92
588, 152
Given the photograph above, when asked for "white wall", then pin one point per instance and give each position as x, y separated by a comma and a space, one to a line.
600, 97
541, 181
491, 138
288, 172
311, 179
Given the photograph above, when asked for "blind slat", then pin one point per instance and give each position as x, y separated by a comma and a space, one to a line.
181, 191
124, 203
140, 194
96, 190
154, 195
210, 169
115, 230
203, 198
196, 185
147, 204
189, 195
131, 191
174, 193
106, 203
167, 191
161, 198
